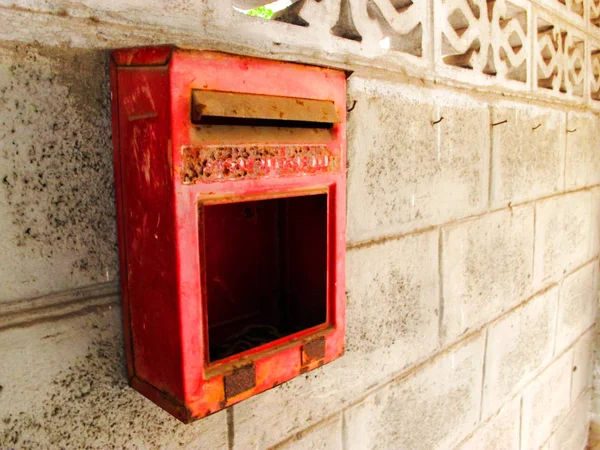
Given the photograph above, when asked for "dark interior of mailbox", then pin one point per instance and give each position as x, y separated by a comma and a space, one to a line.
265, 264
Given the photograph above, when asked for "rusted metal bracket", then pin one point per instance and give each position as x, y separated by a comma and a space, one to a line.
313, 351
241, 380
235, 105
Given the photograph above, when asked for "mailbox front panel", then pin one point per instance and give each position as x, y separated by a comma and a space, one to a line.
230, 180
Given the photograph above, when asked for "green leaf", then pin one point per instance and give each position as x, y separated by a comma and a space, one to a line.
262, 11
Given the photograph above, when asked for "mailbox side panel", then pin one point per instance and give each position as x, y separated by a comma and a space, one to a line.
145, 209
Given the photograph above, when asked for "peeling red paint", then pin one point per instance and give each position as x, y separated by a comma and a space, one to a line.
221, 163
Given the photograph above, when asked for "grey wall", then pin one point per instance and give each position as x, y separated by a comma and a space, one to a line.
473, 248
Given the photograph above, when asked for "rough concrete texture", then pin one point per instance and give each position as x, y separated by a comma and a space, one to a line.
501, 432
387, 293
278, 414
562, 235
62, 382
392, 302
56, 183
214, 24
129, 11
63, 385
486, 268
518, 346
406, 173
434, 408
528, 153
583, 361
391, 324
583, 157
596, 383
546, 401
325, 436
595, 224
576, 305
572, 434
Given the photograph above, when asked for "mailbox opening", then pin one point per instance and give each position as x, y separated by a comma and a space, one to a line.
265, 270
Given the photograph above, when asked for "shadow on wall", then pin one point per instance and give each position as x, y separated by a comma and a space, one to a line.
88, 403
56, 181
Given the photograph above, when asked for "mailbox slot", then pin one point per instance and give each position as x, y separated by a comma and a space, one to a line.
266, 270
238, 109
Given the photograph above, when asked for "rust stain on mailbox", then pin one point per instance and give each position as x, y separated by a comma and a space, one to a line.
241, 380
221, 163
313, 351
264, 107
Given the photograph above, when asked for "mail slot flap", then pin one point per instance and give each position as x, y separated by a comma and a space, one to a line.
263, 107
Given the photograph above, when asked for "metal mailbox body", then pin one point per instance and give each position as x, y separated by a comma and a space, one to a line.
171, 170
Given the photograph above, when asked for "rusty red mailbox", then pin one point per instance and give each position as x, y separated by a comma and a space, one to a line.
231, 205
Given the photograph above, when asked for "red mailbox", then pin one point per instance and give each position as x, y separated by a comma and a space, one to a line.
231, 204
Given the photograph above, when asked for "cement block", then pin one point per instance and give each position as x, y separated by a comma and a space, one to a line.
406, 173
546, 402
572, 434
486, 268
576, 305
501, 432
583, 150
392, 301
56, 181
64, 385
527, 153
562, 235
518, 346
391, 324
583, 361
325, 436
279, 413
434, 408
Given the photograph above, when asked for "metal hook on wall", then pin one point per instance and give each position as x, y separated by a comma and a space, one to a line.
500, 123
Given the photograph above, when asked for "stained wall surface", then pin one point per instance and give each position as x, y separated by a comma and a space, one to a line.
473, 225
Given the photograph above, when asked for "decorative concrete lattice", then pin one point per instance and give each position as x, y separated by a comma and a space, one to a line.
560, 55
595, 72
574, 6
573, 10
594, 9
486, 37
544, 47
394, 24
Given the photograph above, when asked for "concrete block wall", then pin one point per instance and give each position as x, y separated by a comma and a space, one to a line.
473, 241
